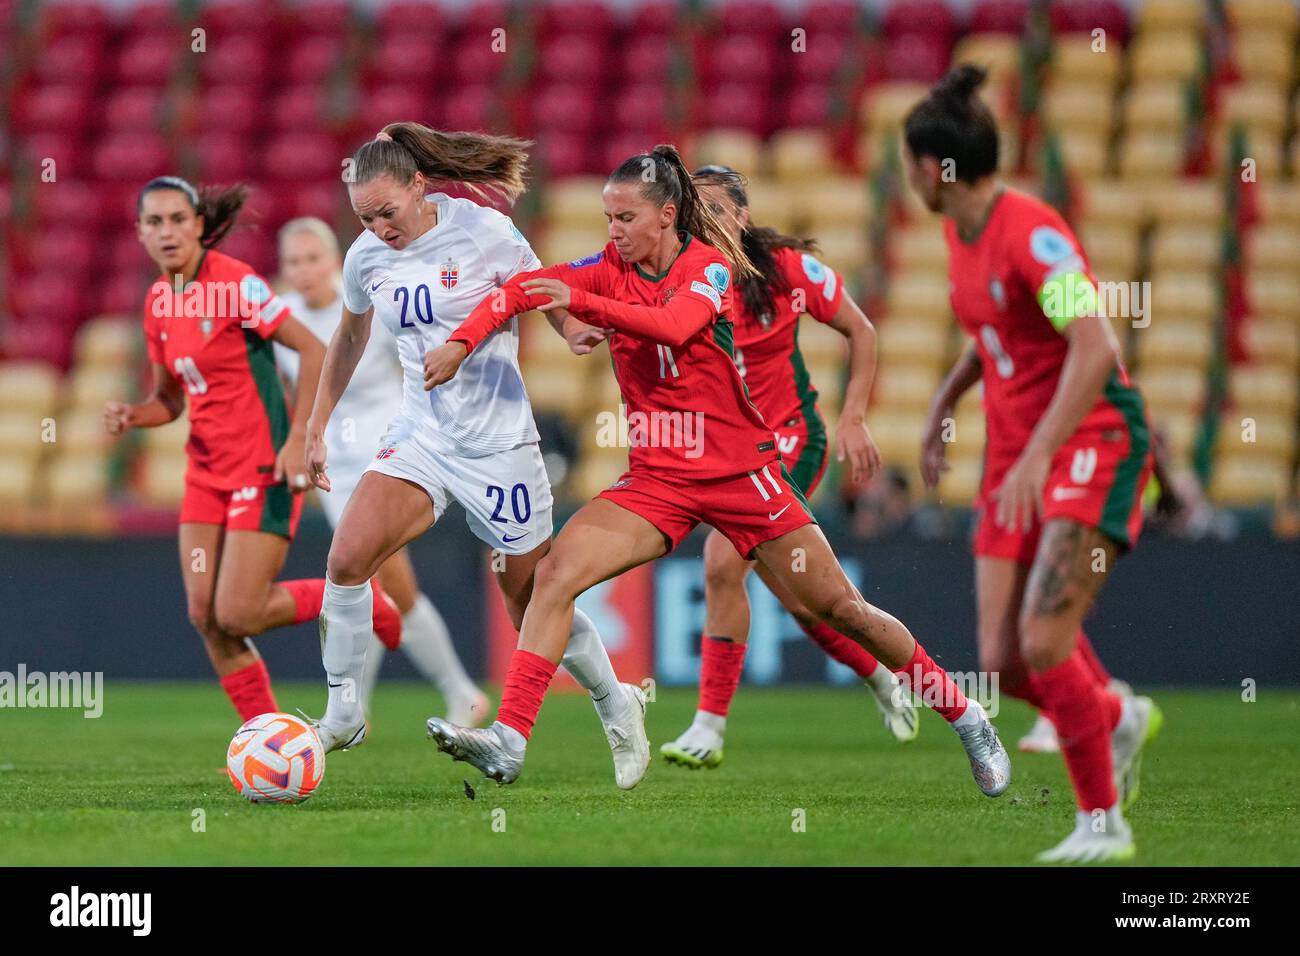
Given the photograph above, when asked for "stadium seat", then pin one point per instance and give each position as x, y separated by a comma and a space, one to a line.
1277, 15
1085, 16
1247, 432
913, 341
999, 53
1168, 55
960, 484
1151, 156
1187, 297
76, 58
885, 106
800, 155
1169, 15
771, 203
568, 243
1112, 248
1264, 57
17, 479
1085, 153
1264, 389
1078, 108
1186, 201
920, 248
846, 250
1273, 342
107, 341
642, 106
739, 149
1161, 105
1248, 481
1274, 295
918, 294
1074, 61
1261, 107
222, 156
1188, 248
833, 202
1171, 387
31, 387
1171, 342
314, 59
244, 58
574, 202
999, 16
57, 107
149, 60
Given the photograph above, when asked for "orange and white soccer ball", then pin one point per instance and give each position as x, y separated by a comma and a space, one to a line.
276, 758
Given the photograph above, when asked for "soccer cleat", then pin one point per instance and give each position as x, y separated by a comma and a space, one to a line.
1138, 726
1041, 738
628, 741
481, 747
1094, 840
896, 707
697, 747
467, 712
988, 758
345, 738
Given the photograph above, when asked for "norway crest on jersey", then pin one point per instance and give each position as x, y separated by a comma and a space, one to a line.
449, 274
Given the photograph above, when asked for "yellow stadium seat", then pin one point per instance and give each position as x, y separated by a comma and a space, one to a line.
1170, 342
912, 341
918, 294
1263, 56
833, 203
603, 394
1086, 153
1273, 342
565, 244
17, 479
574, 202
968, 434
907, 386
167, 439
1279, 202
772, 204
1165, 15
960, 484
1264, 151
897, 432
920, 248
91, 387
999, 53
163, 478
1079, 109
846, 250
1151, 156
1074, 60
1246, 432
1249, 481
1180, 427
32, 386
1265, 389
1111, 248
1273, 248
1113, 201
1189, 248
1171, 387
76, 478
739, 149
1187, 200
1183, 297
81, 431
799, 154
25, 435
1258, 106
1276, 15
1160, 106
886, 105
1274, 294
108, 341
597, 470
1168, 55
820, 343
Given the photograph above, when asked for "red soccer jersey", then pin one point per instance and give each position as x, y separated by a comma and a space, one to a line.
688, 414
767, 347
215, 338
995, 281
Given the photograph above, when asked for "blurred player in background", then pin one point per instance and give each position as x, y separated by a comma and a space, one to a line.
701, 453
1067, 456
424, 261
310, 262
790, 281
209, 324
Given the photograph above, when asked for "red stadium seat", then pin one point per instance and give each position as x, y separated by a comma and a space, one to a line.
49, 295
654, 20
314, 58
54, 108
230, 18
565, 106
481, 17
391, 103
319, 18
840, 17
77, 58
233, 108
411, 18
1084, 16
63, 148
559, 154
649, 58
741, 58
750, 17
302, 107
118, 203
244, 58
254, 242
322, 199
407, 58
469, 107
73, 202
301, 156
738, 106
149, 60
825, 56
71, 248
807, 105
134, 108
575, 57
223, 157
477, 62
928, 17
621, 147
917, 58
131, 157
126, 254
79, 17
30, 338
123, 293
999, 16
643, 106
588, 17
150, 16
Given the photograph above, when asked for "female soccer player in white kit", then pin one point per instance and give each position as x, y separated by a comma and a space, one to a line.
423, 263
310, 262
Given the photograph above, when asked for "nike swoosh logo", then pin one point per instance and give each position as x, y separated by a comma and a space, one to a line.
507, 539
334, 685
772, 517
236, 511
375, 286
1061, 494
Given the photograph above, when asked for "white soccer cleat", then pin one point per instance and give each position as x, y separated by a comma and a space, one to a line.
1139, 724
627, 738
697, 747
345, 738
1095, 839
1041, 738
989, 762
481, 747
896, 707
467, 711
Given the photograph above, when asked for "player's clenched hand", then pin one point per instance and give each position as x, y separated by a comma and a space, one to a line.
442, 363
934, 452
117, 417
1020, 499
557, 290
853, 442
314, 459
291, 463
582, 338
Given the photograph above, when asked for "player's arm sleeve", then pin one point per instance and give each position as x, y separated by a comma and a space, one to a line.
689, 311
814, 285
260, 308
1048, 258
354, 290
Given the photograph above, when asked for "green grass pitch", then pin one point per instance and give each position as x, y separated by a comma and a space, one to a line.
1219, 787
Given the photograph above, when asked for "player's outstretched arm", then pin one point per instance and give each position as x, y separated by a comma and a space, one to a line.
164, 405
962, 377
669, 325
339, 362
852, 438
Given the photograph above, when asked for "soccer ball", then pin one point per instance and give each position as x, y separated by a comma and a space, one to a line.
275, 758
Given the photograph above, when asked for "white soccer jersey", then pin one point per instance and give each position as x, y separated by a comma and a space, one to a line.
422, 294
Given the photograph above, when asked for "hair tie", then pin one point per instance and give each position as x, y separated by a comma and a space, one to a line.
382, 135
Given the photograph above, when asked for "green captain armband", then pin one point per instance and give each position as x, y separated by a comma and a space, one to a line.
1066, 297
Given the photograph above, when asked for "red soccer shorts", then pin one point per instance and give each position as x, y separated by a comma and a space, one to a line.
270, 508
1096, 478
748, 509
802, 444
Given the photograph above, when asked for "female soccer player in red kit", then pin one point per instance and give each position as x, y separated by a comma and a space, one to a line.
209, 323
767, 307
699, 452
1067, 455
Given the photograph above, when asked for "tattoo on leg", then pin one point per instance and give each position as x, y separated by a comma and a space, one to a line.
1062, 575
